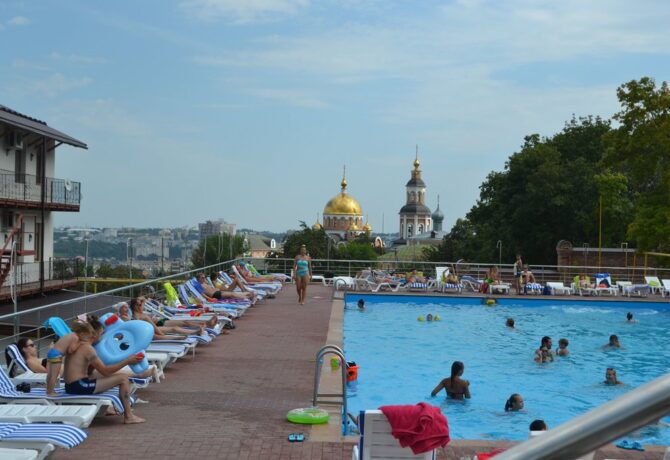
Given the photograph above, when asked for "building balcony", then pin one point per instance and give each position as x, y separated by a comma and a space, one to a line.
24, 191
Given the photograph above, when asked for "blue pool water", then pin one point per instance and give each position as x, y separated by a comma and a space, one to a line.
401, 359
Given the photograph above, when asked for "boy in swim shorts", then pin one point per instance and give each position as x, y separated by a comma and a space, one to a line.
78, 380
67, 344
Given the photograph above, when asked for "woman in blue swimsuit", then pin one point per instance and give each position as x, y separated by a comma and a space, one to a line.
302, 268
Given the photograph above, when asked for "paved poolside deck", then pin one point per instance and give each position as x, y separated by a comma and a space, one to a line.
230, 402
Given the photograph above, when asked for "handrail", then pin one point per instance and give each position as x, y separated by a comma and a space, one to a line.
337, 351
579, 436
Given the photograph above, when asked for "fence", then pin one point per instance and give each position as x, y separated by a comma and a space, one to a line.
28, 188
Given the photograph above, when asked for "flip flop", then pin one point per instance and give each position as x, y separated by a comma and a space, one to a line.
292, 437
299, 437
637, 446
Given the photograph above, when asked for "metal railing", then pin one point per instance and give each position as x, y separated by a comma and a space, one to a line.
581, 435
28, 188
29, 322
28, 273
342, 397
543, 273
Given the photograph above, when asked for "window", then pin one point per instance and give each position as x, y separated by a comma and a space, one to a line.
420, 229
7, 219
409, 230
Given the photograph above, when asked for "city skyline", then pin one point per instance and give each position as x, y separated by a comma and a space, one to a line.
197, 109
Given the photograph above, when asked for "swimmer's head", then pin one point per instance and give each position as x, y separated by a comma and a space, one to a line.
361, 304
614, 340
509, 322
563, 343
629, 316
457, 368
429, 317
538, 425
546, 342
610, 375
514, 403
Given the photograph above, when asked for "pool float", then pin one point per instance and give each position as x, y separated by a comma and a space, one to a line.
335, 362
308, 416
122, 339
490, 302
437, 318
58, 325
420, 318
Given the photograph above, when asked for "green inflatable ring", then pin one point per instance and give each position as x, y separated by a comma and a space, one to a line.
308, 415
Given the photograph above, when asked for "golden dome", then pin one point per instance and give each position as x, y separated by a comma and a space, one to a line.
343, 204
316, 226
367, 228
416, 159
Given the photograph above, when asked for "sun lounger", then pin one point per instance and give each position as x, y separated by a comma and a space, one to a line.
666, 287
26, 454
377, 442
192, 301
502, 288
274, 288
36, 435
627, 288
654, 283
441, 274
260, 293
557, 288
604, 284
343, 282
8, 393
76, 415
470, 283
579, 289
196, 291
533, 288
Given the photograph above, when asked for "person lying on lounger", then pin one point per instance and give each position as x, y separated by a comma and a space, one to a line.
28, 351
223, 286
159, 332
218, 294
79, 382
270, 277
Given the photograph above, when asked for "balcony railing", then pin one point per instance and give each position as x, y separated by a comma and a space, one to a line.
26, 189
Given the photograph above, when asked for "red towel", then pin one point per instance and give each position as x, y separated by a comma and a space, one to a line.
421, 428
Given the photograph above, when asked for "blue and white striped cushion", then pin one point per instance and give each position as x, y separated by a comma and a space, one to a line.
61, 435
533, 286
452, 286
417, 285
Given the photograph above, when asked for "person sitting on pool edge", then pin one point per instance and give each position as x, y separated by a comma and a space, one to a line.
610, 377
455, 386
613, 343
562, 349
544, 354
514, 403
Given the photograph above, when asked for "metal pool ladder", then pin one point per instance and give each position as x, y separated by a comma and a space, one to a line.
337, 351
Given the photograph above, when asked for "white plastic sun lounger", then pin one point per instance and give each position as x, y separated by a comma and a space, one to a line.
557, 288
76, 415
666, 287
654, 283
606, 280
377, 442
26, 454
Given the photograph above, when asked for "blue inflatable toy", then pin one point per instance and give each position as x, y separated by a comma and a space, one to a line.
58, 325
122, 339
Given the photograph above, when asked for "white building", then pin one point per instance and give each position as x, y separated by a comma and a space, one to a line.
29, 194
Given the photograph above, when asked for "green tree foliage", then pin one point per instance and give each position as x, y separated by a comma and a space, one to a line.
640, 149
549, 190
219, 248
70, 248
316, 242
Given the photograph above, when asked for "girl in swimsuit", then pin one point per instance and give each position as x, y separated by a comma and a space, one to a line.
303, 273
455, 386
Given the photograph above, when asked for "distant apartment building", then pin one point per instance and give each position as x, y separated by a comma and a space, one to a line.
29, 194
215, 227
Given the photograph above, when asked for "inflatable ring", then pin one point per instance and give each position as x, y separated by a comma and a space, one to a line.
308, 416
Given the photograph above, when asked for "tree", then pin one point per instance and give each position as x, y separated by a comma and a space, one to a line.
549, 190
316, 241
216, 249
640, 149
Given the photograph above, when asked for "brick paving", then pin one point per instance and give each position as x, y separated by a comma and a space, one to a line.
230, 401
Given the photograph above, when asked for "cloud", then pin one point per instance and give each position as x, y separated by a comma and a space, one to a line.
290, 97
77, 59
58, 83
242, 11
26, 64
19, 21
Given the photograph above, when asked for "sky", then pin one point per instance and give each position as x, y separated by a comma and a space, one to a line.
247, 110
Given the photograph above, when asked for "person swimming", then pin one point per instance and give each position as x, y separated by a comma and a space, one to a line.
455, 386
544, 354
429, 317
361, 304
510, 323
514, 403
611, 378
629, 318
562, 349
613, 343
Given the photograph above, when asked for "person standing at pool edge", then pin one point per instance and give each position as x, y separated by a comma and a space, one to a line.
455, 386
302, 268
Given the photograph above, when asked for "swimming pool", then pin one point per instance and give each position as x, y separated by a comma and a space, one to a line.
401, 359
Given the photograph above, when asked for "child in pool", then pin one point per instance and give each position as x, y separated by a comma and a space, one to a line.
610, 377
562, 349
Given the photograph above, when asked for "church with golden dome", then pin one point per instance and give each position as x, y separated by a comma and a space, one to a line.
343, 216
